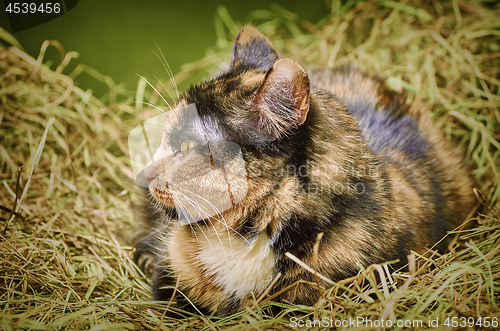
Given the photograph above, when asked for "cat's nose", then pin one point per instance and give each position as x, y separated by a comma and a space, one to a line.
151, 171
155, 168
150, 175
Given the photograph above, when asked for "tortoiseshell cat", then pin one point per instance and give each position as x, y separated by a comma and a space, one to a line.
324, 151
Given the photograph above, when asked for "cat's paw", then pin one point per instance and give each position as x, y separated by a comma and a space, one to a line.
146, 262
144, 255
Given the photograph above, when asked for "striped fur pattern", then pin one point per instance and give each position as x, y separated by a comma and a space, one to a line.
325, 151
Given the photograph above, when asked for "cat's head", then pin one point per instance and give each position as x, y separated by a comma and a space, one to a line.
224, 130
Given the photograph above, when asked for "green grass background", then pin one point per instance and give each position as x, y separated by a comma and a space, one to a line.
117, 38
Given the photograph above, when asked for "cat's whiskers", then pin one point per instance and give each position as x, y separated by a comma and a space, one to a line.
214, 208
159, 94
218, 212
197, 206
157, 207
164, 62
155, 204
181, 210
165, 88
186, 214
154, 106
200, 211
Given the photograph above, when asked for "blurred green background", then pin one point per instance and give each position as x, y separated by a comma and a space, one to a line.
117, 38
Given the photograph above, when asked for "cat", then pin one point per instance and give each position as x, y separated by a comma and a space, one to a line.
298, 153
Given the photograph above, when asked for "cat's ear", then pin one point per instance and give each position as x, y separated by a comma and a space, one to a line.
282, 101
252, 50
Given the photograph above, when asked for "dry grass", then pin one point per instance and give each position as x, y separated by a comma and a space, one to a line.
67, 220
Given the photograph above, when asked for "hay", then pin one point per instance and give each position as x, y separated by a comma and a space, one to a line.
67, 220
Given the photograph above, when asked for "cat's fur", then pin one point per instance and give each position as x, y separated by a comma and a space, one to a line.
325, 151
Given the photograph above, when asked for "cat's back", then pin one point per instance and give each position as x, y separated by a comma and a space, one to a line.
427, 173
385, 120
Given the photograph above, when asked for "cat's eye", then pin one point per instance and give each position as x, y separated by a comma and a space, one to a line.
187, 146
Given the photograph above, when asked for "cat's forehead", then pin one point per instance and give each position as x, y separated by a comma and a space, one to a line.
185, 120
222, 102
